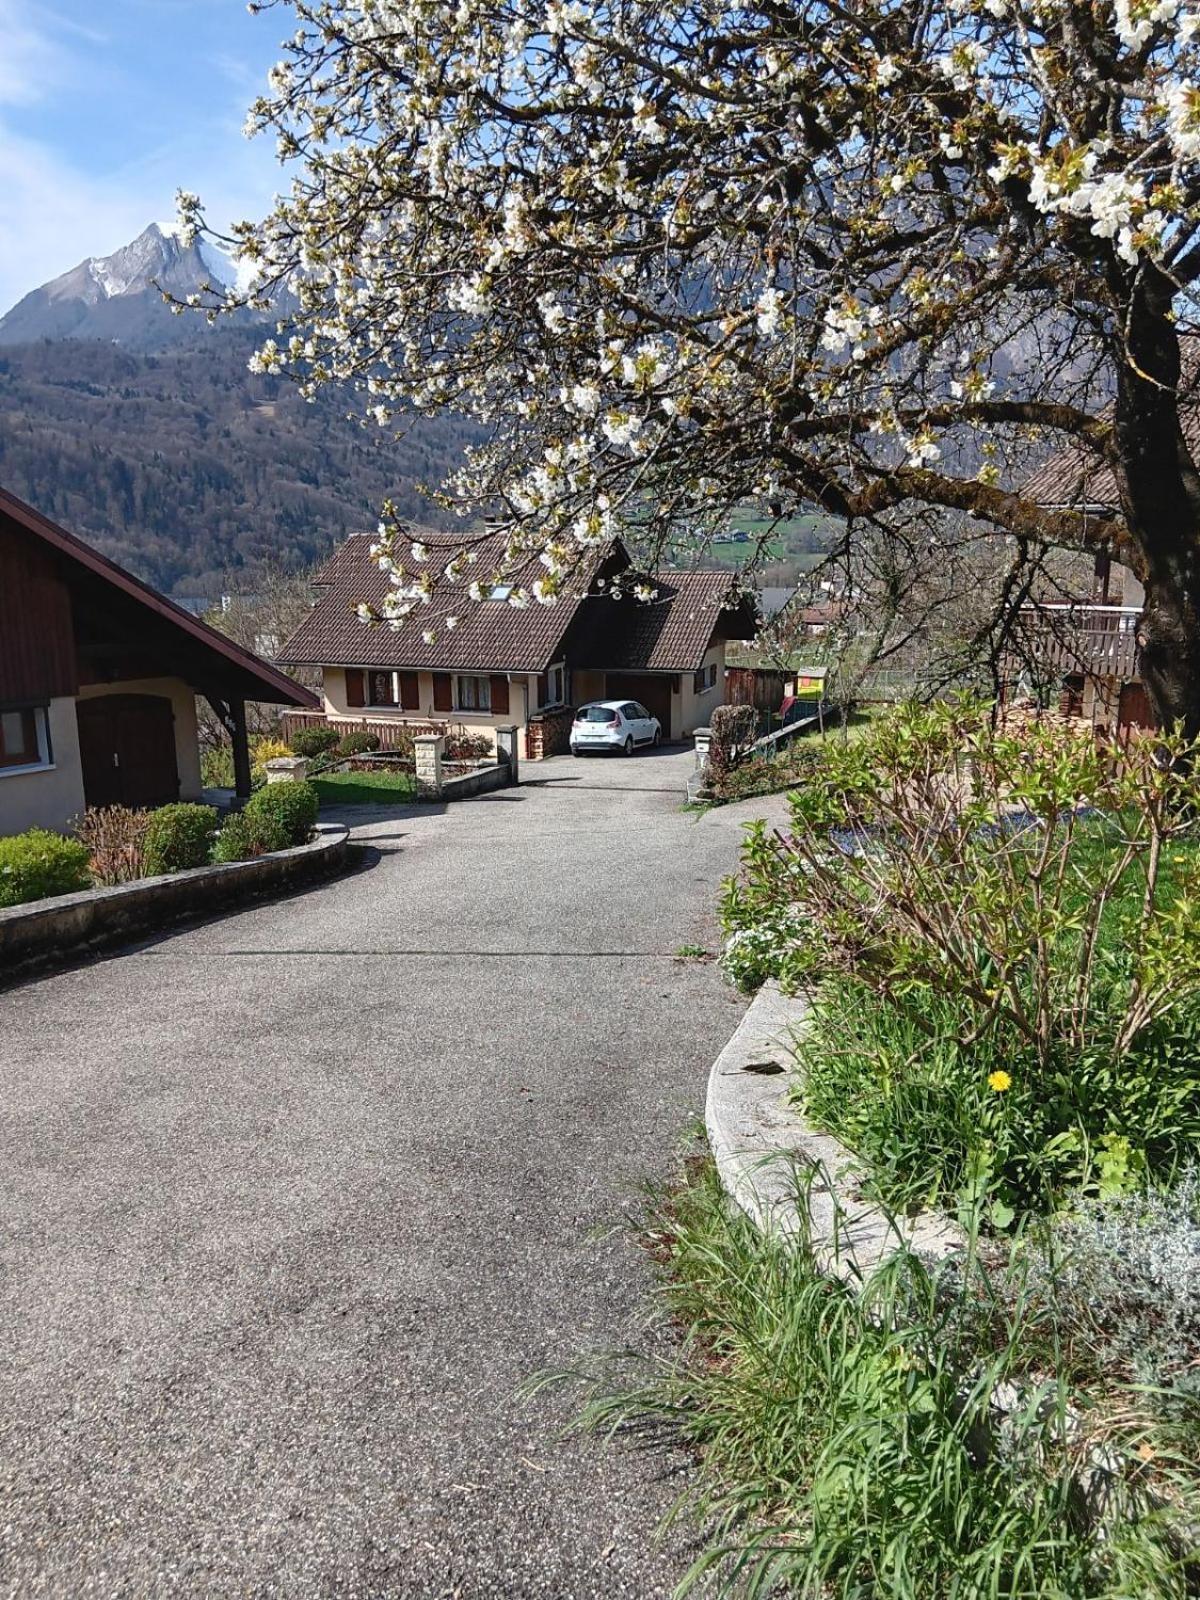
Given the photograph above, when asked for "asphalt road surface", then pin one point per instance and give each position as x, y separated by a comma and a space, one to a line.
297, 1199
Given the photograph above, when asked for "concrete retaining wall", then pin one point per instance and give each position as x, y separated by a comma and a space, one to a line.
787, 1176
72, 924
475, 782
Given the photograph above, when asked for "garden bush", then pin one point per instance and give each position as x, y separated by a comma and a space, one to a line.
293, 807
216, 767
315, 741
733, 730
115, 840
360, 743
998, 925
177, 837
241, 838
38, 863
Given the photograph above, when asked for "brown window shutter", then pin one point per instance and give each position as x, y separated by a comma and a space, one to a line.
410, 692
543, 688
356, 694
443, 700
499, 696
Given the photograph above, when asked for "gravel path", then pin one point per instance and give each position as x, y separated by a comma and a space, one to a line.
296, 1199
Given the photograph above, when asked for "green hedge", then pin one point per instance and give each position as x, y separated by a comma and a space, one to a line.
276, 818
39, 863
315, 741
177, 837
293, 806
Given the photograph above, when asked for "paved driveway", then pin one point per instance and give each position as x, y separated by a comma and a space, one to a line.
296, 1199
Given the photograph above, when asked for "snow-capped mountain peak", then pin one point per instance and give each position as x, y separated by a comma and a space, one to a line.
120, 295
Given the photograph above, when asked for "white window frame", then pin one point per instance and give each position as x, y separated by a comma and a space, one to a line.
557, 671
473, 677
41, 725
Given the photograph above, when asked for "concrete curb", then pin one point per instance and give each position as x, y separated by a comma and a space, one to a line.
70, 925
772, 1163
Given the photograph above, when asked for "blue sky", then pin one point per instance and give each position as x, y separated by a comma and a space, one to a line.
108, 106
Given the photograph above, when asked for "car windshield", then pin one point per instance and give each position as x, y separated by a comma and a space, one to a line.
596, 714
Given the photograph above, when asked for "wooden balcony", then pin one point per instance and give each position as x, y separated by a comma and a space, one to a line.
1093, 640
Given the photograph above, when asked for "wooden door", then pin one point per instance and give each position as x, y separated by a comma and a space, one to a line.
1133, 709
652, 692
127, 750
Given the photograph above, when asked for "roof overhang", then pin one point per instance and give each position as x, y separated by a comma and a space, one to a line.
214, 660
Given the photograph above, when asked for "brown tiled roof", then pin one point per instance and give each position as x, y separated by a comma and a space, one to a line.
668, 634
490, 635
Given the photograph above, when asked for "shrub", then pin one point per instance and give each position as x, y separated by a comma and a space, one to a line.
1127, 1272
240, 838
216, 767
37, 864
464, 746
268, 749
980, 904
178, 837
292, 806
314, 741
733, 731
115, 841
357, 744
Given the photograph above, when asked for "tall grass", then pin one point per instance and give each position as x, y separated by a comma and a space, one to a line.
918, 1436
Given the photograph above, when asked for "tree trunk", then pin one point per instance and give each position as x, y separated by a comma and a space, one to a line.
1160, 491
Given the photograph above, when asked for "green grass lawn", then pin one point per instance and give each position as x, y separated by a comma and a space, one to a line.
364, 788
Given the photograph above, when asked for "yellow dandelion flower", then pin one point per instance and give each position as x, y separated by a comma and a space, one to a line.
999, 1081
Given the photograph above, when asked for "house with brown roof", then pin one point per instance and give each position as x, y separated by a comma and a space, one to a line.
1087, 644
99, 676
481, 664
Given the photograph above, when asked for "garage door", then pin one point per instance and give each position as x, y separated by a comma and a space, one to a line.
127, 750
654, 693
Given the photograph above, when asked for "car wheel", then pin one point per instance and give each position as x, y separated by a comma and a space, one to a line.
576, 753
657, 737
627, 747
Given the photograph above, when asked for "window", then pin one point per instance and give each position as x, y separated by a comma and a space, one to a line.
473, 694
24, 738
381, 689
556, 686
705, 679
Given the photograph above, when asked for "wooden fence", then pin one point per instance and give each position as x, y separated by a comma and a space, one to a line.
391, 735
760, 687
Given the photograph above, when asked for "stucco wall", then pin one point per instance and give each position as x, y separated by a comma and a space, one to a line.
690, 710
183, 704
51, 796
522, 699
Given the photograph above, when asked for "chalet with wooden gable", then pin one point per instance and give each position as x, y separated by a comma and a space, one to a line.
496, 663
1087, 645
98, 682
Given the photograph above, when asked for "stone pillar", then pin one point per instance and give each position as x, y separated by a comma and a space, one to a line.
703, 738
429, 749
286, 769
507, 749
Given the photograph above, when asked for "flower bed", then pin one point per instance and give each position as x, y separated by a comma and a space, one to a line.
997, 930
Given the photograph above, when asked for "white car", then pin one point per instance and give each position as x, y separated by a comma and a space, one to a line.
613, 725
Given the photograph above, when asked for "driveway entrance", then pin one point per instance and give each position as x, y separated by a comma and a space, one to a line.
297, 1199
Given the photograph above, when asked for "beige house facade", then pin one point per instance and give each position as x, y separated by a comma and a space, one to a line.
501, 666
99, 676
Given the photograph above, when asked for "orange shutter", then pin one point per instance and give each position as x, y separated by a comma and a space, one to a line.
410, 692
443, 699
499, 696
355, 689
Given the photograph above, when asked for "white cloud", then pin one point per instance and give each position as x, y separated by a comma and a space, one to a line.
57, 204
